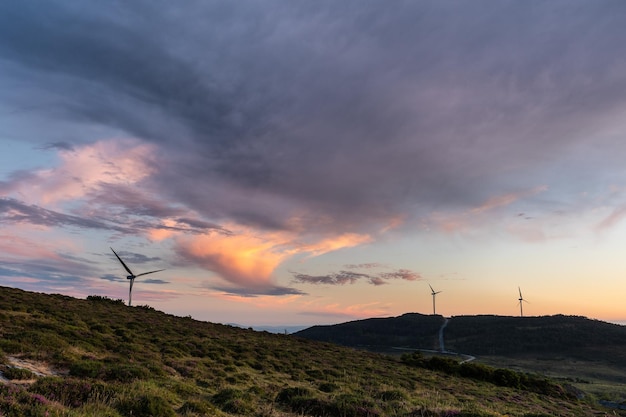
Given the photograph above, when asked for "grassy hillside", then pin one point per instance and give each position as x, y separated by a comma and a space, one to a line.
61, 356
590, 353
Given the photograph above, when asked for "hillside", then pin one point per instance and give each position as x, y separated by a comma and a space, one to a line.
568, 347
479, 335
61, 356
409, 330
549, 335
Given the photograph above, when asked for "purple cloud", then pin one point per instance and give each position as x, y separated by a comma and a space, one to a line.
349, 277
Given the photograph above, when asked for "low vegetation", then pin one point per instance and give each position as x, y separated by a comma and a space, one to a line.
98, 357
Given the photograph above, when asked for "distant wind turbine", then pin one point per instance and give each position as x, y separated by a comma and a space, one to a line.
433, 293
521, 302
132, 276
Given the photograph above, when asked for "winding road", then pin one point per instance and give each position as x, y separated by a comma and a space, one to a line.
442, 349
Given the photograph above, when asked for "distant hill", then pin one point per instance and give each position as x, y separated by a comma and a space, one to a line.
477, 335
504, 336
569, 347
65, 357
410, 330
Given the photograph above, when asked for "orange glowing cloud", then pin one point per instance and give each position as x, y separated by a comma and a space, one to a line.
242, 259
164, 233
334, 243
248, 258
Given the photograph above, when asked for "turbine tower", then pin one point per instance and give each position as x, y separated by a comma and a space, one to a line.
132, 276
433, 293
521, 302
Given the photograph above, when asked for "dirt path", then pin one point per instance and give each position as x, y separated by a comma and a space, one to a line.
37, 368
442, 348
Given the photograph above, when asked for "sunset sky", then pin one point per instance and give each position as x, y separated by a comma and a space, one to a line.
315, 162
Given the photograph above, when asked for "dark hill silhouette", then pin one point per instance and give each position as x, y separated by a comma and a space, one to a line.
411, 330
498, 335
490, 335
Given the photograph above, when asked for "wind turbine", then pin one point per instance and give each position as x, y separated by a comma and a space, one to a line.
433, 293
521, 301
132, 276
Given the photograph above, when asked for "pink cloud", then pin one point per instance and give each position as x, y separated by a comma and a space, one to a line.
507, 199
473, 218
248, 258
612, 219
356, 311
83, 169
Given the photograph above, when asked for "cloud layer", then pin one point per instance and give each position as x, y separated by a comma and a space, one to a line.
244, 134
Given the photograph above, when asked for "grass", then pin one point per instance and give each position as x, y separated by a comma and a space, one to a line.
113, 360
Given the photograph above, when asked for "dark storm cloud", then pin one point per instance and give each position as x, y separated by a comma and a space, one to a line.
61, 146
371, 265
349, 277
112, 278
45, 270
142, 211
134, 258
252, 292
154, 281
14, 211
352, 111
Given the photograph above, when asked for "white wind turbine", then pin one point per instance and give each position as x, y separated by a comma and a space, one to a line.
521, 302
433, 293
132, 276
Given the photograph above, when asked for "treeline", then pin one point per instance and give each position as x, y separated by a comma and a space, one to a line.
497, 376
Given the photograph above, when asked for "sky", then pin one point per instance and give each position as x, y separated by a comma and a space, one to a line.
301, 163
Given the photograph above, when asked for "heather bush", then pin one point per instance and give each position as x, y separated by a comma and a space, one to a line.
14, 373
67, 391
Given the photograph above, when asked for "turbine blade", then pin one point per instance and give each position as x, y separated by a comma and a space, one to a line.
431, 288
520, 292
123, 264
151, 272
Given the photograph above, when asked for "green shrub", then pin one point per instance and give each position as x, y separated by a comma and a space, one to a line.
328, 387
146, 406
506, 378
105, 299
124, 372
196, 406
393, 395
234, 401
303, 401
17, 373
415, 359
476, 371
11, 346
86, 369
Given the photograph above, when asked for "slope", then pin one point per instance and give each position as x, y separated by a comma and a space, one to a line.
102, 358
